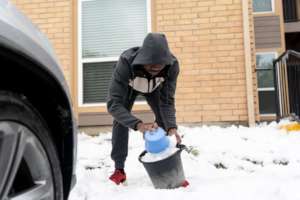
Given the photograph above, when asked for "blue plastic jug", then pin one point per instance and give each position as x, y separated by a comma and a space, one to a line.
156, 141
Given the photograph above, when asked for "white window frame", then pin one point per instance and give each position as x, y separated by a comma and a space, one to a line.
81, 60
267, 12
266, 88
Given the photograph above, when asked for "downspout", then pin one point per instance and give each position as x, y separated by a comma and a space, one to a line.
248, 64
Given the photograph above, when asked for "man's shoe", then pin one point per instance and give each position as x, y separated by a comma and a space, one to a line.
119, 176
185, 183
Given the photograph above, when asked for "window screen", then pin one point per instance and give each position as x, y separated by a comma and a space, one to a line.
265, 78
262, 5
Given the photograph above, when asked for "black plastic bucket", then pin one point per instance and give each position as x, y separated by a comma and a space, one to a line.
167, 173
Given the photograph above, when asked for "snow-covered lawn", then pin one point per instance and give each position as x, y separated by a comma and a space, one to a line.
234, 163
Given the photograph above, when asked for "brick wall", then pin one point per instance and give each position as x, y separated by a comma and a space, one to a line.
207, 38
54, 18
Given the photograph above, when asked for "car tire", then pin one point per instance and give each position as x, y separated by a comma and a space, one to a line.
29, 161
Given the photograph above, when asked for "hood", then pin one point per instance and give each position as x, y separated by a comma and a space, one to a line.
155, 50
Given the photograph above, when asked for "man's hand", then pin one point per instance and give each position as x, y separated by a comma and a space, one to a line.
173, 131
143, 127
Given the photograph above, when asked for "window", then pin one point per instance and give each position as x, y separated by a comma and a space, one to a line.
106, 29
265, 78
262, 6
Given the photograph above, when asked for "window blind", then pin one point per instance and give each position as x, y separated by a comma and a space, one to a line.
112, 26
96, 78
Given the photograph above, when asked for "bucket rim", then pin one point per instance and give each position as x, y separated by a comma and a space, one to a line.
180, 148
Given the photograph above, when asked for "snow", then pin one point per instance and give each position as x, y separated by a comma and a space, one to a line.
233, 163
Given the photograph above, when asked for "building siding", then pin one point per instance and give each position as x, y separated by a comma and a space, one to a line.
267, 32
92, 119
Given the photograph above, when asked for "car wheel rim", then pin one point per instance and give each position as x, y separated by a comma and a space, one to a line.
24, 165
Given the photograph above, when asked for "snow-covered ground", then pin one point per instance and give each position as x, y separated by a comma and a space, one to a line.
234, 163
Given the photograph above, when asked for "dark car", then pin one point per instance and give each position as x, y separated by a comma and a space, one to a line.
37, 126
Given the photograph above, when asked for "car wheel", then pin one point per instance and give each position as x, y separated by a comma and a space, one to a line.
29, 164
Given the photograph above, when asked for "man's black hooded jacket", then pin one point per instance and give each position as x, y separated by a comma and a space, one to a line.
129, 74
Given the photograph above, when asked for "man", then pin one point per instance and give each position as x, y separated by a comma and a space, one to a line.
151, 71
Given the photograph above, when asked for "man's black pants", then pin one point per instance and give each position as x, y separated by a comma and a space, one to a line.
120, 133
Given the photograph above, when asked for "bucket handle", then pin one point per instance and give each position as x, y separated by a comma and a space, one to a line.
187, 149
142, 154
181, 147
